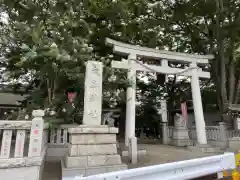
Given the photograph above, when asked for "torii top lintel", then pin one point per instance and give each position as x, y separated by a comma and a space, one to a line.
127, 49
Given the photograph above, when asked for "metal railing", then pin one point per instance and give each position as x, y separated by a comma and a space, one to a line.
187, 169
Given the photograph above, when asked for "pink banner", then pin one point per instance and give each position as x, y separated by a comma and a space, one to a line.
184, 111
71, 96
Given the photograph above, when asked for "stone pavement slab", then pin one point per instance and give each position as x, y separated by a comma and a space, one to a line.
52, 171
160, 154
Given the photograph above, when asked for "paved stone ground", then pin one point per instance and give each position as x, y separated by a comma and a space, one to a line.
159, 154
156, 154
52, 171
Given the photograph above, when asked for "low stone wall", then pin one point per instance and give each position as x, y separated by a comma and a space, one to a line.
216, 135
22, 154
234, 144
26, 173
27, 168
56, 152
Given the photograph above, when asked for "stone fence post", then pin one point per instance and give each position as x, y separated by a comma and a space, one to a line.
133, 151
223, 134
164, 133
36, 134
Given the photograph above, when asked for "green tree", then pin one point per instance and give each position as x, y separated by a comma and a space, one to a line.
49, 47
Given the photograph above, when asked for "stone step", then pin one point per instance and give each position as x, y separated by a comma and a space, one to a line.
92, 149
140, 152
205, 149
88, 171
124, 151
90, 161
76, 139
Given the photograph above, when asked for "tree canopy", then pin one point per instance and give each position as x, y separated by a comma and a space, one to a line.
45, 45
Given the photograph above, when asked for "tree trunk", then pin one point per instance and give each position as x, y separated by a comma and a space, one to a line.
49, 91
231, 81
221, 58
170, 103
54, 89
223, 76
19, 114
237, 94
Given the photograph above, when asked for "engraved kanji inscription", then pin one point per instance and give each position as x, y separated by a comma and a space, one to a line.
95, 69
94, 84
93, 113
93, 95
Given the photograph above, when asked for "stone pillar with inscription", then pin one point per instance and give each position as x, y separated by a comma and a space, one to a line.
92, 147
93, 94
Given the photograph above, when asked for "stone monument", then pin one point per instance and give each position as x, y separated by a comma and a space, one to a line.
180, 132
92, 147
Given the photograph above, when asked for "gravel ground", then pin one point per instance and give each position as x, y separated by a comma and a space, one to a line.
156, 154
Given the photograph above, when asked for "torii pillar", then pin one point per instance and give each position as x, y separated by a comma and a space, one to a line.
131, 101
197, 105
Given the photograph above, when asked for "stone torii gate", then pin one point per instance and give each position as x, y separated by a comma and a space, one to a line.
133, 65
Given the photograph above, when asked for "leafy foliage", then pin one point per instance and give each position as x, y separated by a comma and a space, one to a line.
46, 44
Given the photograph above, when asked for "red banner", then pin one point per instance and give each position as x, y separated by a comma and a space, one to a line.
71, 96
184, 112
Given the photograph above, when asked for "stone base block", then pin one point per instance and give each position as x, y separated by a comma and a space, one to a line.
92, 149
88, 171
180, 133
205, 148
84, 129
56, 152
140, 152
27, 168
90, 161
26, 173
181, 142
234, 144
92, 139
181, 137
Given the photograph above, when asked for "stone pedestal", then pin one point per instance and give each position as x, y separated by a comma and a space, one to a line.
181, 137
92, 150
180, 132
